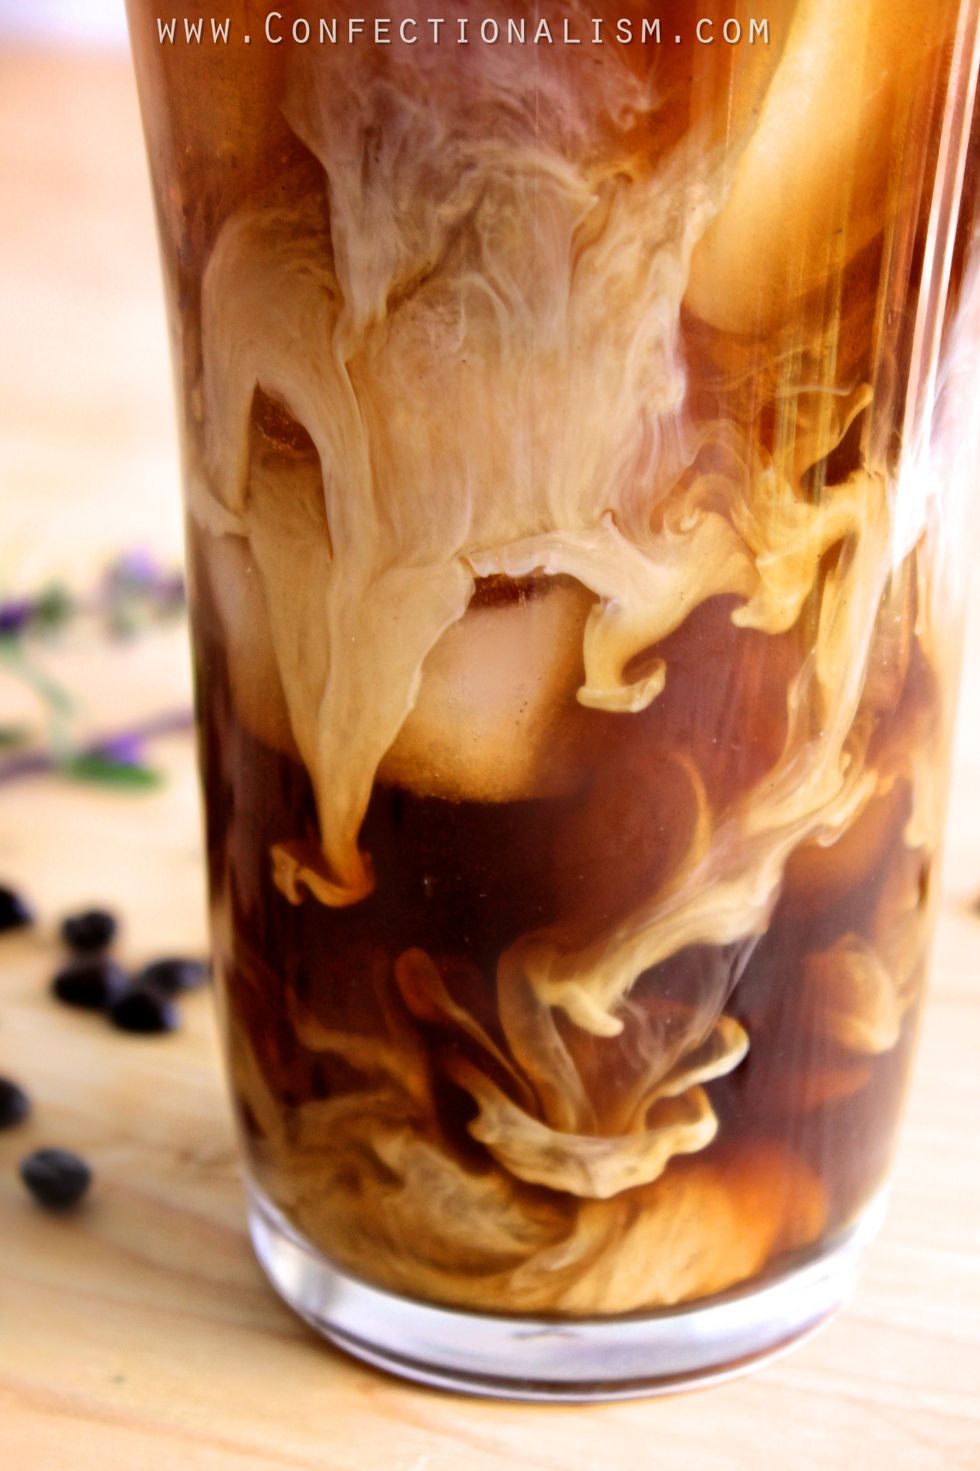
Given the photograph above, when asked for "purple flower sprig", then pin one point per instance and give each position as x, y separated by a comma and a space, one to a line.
136, 591
115, 760
133, 593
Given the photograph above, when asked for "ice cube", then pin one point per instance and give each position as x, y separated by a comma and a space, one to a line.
496, 718
240, 602
808, 189
261, 583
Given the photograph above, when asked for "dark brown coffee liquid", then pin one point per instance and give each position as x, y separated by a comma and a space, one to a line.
806, 1124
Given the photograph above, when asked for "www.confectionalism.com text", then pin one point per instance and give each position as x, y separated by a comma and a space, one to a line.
436, 30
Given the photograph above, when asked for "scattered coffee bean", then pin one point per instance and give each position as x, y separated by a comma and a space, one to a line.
56, 1178
93, 985
14, 1104
173, 976
15, 912
89, 932
146, 1010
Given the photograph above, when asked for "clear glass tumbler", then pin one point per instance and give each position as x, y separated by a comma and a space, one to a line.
577, 412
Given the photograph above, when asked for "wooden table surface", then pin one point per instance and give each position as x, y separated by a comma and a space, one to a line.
140, 1333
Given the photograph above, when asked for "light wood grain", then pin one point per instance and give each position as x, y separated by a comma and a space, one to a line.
140, 1335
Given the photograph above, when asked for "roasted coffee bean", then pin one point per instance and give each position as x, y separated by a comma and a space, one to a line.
93, 985
14, 1104
90, 931
56, 1178
173, 975
146, 1010
15, 912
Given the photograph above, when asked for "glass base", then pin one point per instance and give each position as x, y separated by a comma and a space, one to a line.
552, 1360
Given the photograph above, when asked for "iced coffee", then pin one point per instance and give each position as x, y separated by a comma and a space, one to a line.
574, 593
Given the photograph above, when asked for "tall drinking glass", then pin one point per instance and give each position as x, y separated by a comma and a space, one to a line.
577, 408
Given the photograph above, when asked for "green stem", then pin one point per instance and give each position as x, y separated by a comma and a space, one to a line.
59, 703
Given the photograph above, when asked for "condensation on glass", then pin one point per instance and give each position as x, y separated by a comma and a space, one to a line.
576, 439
